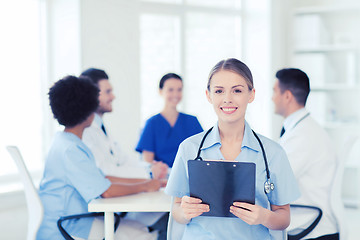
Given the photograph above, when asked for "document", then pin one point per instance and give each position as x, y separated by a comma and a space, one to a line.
220, 183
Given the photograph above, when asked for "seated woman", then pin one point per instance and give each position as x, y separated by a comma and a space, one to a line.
164, 132
71, 179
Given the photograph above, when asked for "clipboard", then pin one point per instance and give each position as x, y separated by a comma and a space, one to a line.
220, 183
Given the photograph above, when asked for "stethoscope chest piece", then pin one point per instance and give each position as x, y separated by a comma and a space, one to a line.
268, 186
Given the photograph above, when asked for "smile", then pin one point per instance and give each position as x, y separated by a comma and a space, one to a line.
228, 110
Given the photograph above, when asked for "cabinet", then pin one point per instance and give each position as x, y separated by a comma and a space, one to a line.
325, 43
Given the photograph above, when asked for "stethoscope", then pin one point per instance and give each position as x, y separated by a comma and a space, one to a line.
268, 185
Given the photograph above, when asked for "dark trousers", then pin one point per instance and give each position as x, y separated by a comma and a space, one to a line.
161, 226
334, 236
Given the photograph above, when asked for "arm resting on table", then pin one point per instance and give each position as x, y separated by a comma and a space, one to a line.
122, 187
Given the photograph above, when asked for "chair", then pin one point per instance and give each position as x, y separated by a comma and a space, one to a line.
67, 236
313, 215
34, 204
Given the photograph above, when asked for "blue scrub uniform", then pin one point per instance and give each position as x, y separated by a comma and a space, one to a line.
286, 189
163, 140
71, 180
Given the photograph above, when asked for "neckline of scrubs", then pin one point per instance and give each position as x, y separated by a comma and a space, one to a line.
177, 119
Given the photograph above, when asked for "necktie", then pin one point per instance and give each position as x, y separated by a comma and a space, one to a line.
103, 128
282, 131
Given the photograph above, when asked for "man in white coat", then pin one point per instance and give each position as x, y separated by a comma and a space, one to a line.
112, 160
309, 149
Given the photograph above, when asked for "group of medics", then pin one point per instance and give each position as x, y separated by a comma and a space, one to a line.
84, 161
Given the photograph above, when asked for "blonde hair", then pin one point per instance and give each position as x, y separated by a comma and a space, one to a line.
233, 65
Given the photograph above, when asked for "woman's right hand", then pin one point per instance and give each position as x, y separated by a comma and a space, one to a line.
192, 207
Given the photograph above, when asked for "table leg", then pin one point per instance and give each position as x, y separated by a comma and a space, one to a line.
109, 225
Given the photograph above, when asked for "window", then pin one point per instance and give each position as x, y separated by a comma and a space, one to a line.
188, 38
160, 51
210, 38
21, 99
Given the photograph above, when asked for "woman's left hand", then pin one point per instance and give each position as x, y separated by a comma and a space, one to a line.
249, 213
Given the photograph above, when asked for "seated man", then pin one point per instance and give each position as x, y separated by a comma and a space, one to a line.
111, 159
308, 148
108, 155
71, 178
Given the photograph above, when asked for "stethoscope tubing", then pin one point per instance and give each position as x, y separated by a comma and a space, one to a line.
268, 186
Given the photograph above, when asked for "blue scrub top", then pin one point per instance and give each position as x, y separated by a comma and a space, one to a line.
71, 180
286, 189
163, 140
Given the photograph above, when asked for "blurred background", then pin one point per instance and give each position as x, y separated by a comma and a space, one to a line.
137, 41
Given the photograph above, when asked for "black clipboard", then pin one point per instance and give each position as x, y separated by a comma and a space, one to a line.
220, 183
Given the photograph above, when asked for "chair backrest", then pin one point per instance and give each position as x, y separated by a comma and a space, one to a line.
34, 204
337, 203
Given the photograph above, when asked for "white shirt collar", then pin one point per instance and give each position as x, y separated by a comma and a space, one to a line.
293, 118
249, 139
98, 120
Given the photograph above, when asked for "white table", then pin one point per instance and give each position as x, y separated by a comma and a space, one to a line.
141, 202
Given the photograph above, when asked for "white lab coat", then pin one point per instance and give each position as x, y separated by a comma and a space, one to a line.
117, 164
114, 162
313, 160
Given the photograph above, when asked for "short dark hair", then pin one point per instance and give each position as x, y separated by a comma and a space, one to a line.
296, 81
166, 77
73, 100
95, 75
233, 65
